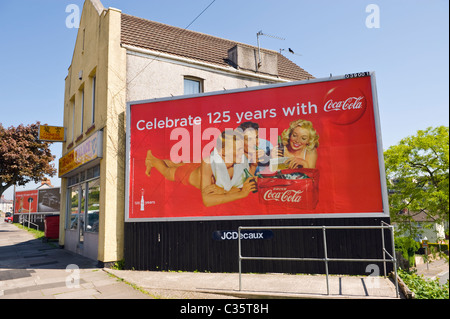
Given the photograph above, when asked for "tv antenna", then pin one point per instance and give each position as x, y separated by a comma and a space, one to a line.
260, 33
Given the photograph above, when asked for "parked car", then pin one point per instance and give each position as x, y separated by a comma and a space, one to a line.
8, 218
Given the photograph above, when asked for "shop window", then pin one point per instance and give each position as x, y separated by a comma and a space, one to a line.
82, 213
93, 172
93, 198
73, 180
73, 208
84, 202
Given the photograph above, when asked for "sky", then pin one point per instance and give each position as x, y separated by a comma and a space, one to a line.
405, 42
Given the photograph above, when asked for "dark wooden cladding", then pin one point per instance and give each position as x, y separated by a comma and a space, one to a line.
189, 246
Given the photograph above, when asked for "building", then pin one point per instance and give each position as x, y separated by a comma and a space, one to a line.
6, 205
119, 58
421, 225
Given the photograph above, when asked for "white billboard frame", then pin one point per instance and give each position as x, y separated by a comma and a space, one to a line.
383, 214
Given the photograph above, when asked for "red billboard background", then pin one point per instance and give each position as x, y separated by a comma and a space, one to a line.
341, 111
22, 203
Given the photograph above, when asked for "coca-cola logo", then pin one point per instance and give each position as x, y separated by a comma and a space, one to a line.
344, 106
283, 195
351, 103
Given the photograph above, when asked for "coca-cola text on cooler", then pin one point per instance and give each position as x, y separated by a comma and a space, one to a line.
283, 195
351, 103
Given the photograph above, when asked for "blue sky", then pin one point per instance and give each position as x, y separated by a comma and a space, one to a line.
409, 51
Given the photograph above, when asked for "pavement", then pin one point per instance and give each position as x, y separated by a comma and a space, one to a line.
31, 269
436, 269
259, 286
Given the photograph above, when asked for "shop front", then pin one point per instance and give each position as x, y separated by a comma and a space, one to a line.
80, 171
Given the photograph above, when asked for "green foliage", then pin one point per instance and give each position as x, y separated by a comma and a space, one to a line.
417, 172
119, 265
38, 234
424, 288
23, 158
408, 247
436, 247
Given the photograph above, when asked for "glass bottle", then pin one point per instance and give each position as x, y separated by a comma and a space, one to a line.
142, 200
252, 180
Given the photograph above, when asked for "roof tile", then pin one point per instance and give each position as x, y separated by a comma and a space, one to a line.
198, 46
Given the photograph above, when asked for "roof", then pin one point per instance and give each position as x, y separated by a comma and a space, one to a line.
421, 216
198, 46
3, 200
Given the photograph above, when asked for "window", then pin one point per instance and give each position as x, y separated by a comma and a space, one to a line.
83, 196
82, 212
84, 37
193, 85
82, 111
73, 120
94, 83
93, 204
73, 208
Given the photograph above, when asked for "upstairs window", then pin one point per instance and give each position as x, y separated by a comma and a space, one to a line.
192, 85
82, 111
94, 87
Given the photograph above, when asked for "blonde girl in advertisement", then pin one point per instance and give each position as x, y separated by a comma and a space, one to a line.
220, 177
300, 142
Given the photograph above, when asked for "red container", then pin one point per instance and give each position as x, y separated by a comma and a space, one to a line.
285, 189
51, 227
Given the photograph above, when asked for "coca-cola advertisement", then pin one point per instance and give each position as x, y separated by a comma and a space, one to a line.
277, 151
26, 202
296, 188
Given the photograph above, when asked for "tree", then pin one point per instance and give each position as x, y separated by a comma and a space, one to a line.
23, 158
417, 174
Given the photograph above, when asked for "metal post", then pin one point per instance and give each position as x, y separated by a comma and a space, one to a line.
384, 251
258, 65
29, 212
326, 257
14, 201
240, 259
395, 261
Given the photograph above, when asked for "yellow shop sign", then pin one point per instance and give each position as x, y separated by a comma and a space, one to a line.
52, 133
87, 151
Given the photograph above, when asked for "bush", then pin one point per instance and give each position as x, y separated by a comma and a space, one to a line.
424, 288
408, 247
443, 247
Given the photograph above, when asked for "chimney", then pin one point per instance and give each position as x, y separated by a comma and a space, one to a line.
47, 182
247, 58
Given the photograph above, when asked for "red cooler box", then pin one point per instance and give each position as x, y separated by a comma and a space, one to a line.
51, 227
295, 188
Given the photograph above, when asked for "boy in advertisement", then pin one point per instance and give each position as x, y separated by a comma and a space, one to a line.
220, 177
257, 150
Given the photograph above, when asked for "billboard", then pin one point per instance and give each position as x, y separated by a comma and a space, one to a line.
45, 200
49, 200
26, 202
300, 149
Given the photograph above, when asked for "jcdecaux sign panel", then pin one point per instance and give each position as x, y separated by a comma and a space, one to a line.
283, 151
